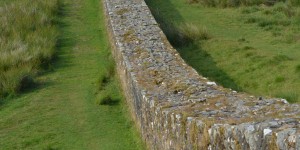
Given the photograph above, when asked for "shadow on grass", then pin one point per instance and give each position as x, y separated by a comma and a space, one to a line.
191, 51
65, 41
199, 59
107, 99
112, 102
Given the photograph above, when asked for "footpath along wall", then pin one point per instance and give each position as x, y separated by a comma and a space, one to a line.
175, 108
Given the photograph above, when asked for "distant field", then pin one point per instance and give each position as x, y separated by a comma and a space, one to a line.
2, 2
253, 48
28, 37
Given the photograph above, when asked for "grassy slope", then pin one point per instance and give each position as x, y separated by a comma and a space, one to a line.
252, 65
62, 113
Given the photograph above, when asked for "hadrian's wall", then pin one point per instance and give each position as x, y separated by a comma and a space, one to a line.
175, 108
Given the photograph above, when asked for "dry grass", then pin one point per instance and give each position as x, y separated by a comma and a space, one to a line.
28, 37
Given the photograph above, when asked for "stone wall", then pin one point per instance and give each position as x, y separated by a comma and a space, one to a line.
176, 108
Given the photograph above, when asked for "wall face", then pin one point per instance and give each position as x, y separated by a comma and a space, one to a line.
174, 107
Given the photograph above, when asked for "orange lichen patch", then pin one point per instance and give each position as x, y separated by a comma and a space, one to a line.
144, 55
156, 77
272, 145
237, 143
130, 37
122, 11
153, 73
137, 49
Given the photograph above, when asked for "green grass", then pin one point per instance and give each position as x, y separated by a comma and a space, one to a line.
62, 111
253, 49
236, 3
28, 39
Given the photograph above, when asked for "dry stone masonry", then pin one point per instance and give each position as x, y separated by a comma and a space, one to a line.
176, 108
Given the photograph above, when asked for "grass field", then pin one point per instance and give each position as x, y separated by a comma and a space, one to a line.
63, 111
28, 39
253, 49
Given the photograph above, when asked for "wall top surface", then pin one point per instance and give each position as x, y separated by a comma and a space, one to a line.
169, 84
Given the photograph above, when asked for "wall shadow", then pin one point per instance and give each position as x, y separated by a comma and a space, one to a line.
66, 39
168, 18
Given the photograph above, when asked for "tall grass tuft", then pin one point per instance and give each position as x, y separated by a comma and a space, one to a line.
28, 38
290, 96
185, 34
191, 32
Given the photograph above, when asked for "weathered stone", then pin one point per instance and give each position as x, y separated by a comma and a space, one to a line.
174, 107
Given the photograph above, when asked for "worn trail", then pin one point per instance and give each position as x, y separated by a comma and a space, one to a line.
62, 113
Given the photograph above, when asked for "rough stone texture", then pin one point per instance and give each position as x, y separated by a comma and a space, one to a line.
175, 108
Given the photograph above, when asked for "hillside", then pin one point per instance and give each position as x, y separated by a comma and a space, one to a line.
251, 48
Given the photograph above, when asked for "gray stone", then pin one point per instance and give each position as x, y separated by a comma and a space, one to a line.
176, 108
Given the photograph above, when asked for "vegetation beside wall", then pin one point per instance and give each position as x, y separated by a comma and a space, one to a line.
28, 37
250, 48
